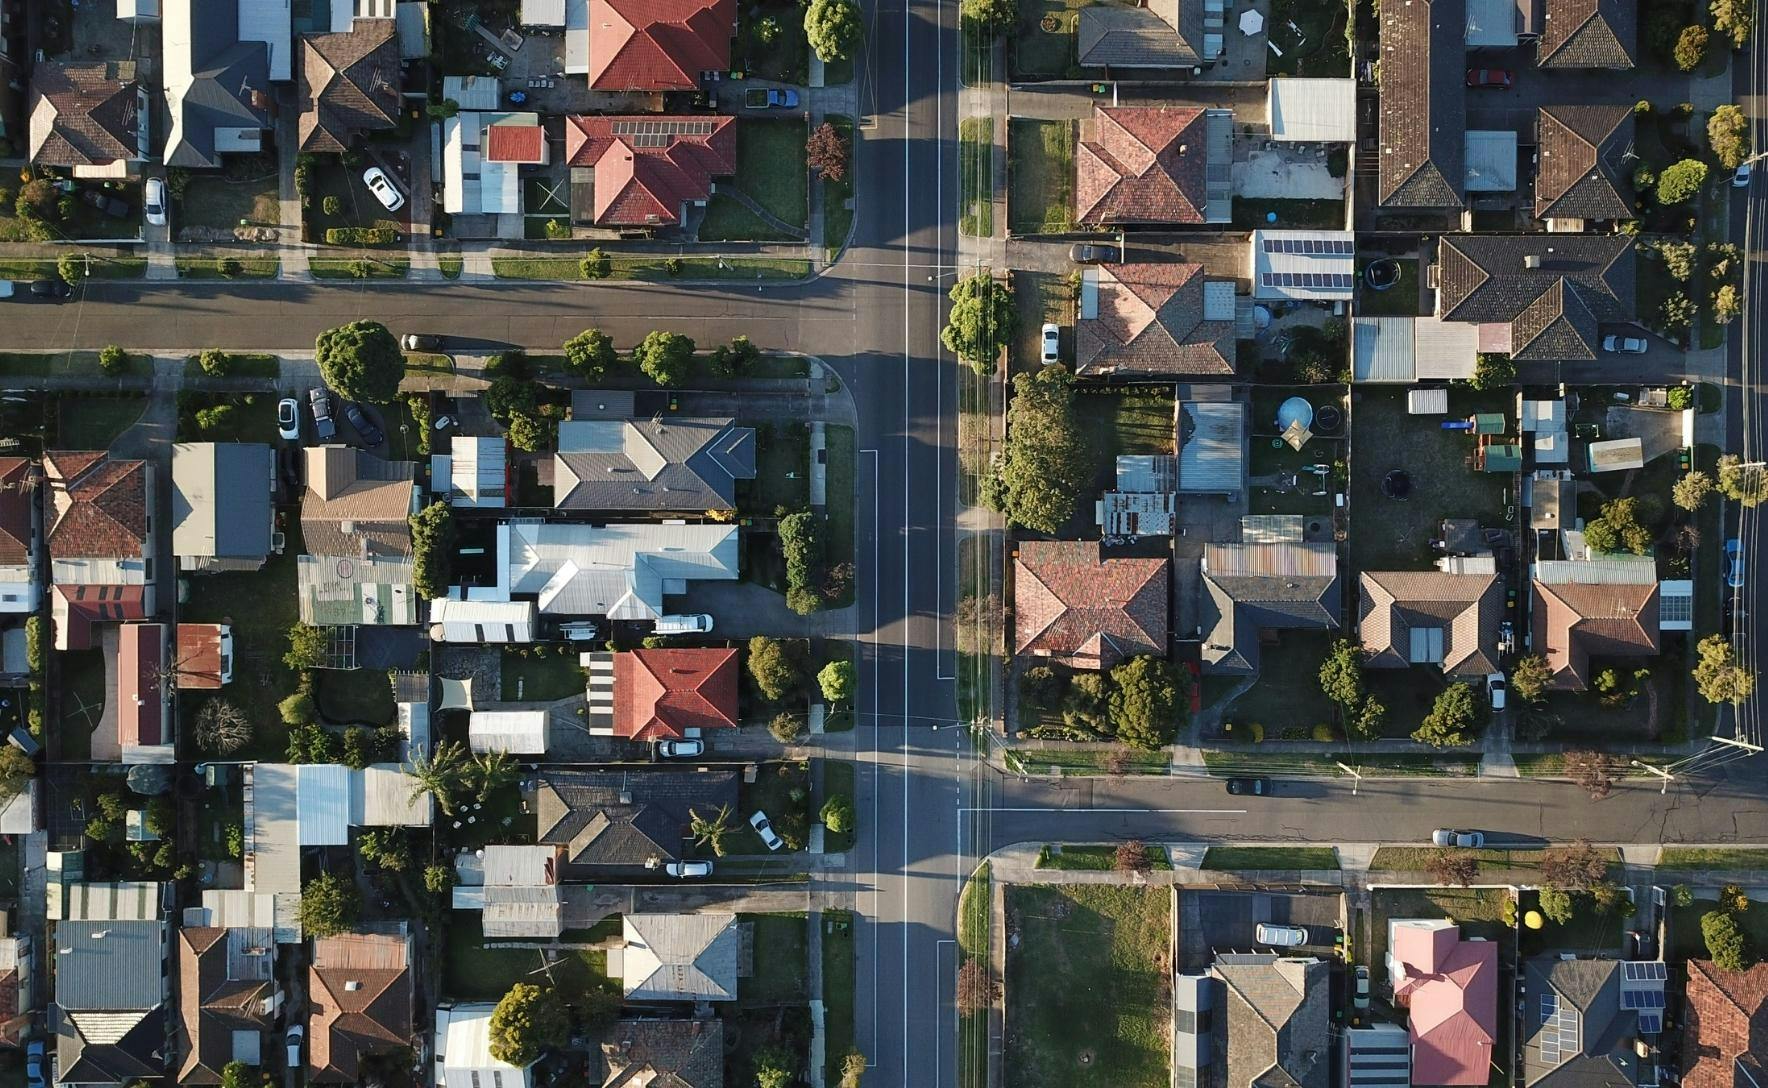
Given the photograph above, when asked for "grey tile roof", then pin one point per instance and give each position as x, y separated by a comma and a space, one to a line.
1585, 172
1247, 588
1553, 289
1465, 607
1589, 34
660, 1053
1588, 1039
622, 819
1165, 34
1422, 104
652, 464
108, 1017
1278, 1023
221, 499
228, 84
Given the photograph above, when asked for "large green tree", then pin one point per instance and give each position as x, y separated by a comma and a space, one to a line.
1736, 18
1680, 181
1529, 677
1044, 463
361, 361
1619, 528
1725, 941
982, 321
1341, 675
773, 667
1452, 719
990, 13
1741, 481
837, 680
432, 543
1728, 131
1719, 675
329, 904
1144, 702
529, 1020
667, 357
590, 353
833, 28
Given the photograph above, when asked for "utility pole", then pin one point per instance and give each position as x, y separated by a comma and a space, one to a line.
1666, 776
1744, 744
1356, 776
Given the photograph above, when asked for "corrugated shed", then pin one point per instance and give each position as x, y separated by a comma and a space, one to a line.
323, 809
1312, 110
273, 848
481, 621
1617, 454
1610, 570
381, 796
463, 1051
519, 732
1212, 453
477, 467
1272, 529
1382, 349
1427, 402
514, 866
1285, 560
1490, 161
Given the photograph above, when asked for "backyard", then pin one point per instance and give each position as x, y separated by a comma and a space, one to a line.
543, 676
1399, 300
475, 971
1088, 997
354, 696
1307, 38
1040, 176
82, 702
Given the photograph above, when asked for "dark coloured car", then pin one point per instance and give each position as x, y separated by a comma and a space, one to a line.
371, 434
1496, 79
1089, 253
53, 289
1249, 787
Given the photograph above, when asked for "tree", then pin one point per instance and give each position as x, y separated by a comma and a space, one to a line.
1736, 18
990, 13
1144, 702
1719, 675
1678, 259
1450, 721
1452, 866
1492, 371
329, 904
833, 28
1044, 463
441, 773
361, 361
853, 1067
1691, 47
665, 356
1341, 675
1725, 941
1369, 719
711, 831
733, 360
1556, 905
590, 353
222, 728
1085, 705
1594, 772
1728, 131
215, 363
1741, 483
1131, 857
1619, 528
801, 541
529, 1020
1529, 678
113, 360
982, 321
976, 987
438, 879
36, 200
1677, 313
386, 848
837, 679
1680, 181
489, 772
1575, 867
773, 668
530, 433
775, 1068
16, 769
1691, 491
837, 814
787, 727
237, 1074
1727, 304
826, 152
306, 647
298, 709
432, 544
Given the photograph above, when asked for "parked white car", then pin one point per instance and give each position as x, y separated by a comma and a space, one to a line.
768, 835
153, 202
1495, 689
1624, 345
294, 1039
288, 419
1741, 179
1052, 352
382, 187
688, 870
1361, 1000
681, 749
1280, 936
1467, 840
697, 624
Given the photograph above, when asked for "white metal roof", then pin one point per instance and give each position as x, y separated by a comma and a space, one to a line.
1381, 349
516, 866
1491, 24
1490, 161
519, 732
323, 807
1444, 350
1427, 402
622, 572
463, 1051
274, 861
1304, 264
1676, 605
1312, 110
471, 92
231, 908
19, 815
543, 13
476, 468
576, 37
1610, 570
481, 621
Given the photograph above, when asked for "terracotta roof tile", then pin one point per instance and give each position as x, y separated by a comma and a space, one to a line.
211, 1006
360, 992
84, 114
1573, 623
658, 45
1422, 121
1584, 170
1466, 608
1151, 320
647, 167
141, 703
16, 497
199, 656
1142, 165
1589, 34
515, 143
1725, 1021
99, 505
77, 610
664, 693
1077, 607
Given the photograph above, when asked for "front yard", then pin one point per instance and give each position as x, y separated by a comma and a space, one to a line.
1040, 176
770, 171
1479, 912
93, 423
782, 791
1044, 42
220, 202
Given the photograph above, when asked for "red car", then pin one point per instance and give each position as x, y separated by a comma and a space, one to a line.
1488, 77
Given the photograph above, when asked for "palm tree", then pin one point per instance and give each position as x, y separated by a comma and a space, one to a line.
490, 772
711, 832
440, 774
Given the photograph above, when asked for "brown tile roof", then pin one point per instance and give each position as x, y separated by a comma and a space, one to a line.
646, 168
1553, 290
99, 506
515, 143
1075, 606
660, 1054
1589, 34
360, 992
1162, 34
199, 656
1584, 153
16, 496
1574, 622
1725, 1021
1151, 320
373, 496
664, 693
211, 1006
77, 610
84, 114
1141, 165
347, 83
1423, 91
1466, 608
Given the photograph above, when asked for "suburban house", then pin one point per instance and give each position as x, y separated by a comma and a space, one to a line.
1724, 1027
1536, 297
219, 60
1165, 319
677, 1053
610, 459
1078, 607
1153, 165
1607, 607
515, 890
645, 171
351, 591
621, 572
477, 471
210, 476
1418, 617
100, 542
347, 83
21, 590
1165, 35
1254, 1019
227, 994
203, 656
357, 505
673, 693
677, 957
650, 45
481, 165
1589, 34
89, 118
624, 822
1254, 587
145, 722
1449, 988
108, 1016
1422, 126
463, 1051
361, 1003
1587, 160
1583, 1018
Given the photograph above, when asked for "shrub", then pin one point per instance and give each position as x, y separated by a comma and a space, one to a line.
298, 709
1691, 48
222, 728
360, 236
826, 152
329, 904
1492, 371
1680, 181
331, 205
529, 1020
1678, 259
773, 668
1725, 941
558, 230
787, 727
215, 363
595, 265
113, 360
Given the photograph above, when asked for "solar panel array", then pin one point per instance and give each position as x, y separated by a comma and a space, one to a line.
1312, 247
658, 133
1343, 281
1642, 999
1642, 990
1559, 1029
1645, 971
1650, 1023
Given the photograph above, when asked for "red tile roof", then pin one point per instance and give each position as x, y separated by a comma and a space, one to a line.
1575, 622
15, 510
141, 708
1451, 989
76, 610
1083, 610
199, 656
664, 693
658, 45
1726, 1020
646, 168
1142, 165
99, 505
515, 143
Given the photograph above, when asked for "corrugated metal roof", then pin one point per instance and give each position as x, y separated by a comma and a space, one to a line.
519, 732
618, 571
471, 92
1543, 415
1212, 456
1427, 402
515, 866
381, 796
323, 804
1609, 570
482, 621
463, 1051
1312, 110
1444, 349
1490, 161
1282, 560
273, 862
229, 908
1381, 349
477, 467
127, 900
114, 967
336, 591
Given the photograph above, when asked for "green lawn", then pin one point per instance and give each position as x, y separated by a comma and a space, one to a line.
541, 677
93, 423
1319, 49
780, 958
99, 267
1695, 859
1040, 176
770, 166
81, 364
653, 267
354, 696
837, 216
1093, 858
1089, 761
838, 777
1270, 857
240, 365
838, 981
473, 972
1288, 680
782, 471
1459, 764
1039, 53
363, 267
1400, 300
211, 268
1589, 931
838, 482
1088, 997
1251, 213
973, 923
450, 265
82, 701
218, 202
727, 220
1686, 942
976, 177
253, 416
771, 792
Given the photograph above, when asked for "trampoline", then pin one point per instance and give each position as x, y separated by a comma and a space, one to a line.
1382, 274
1327, 417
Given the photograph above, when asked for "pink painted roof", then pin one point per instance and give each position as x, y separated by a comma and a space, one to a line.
1452, 991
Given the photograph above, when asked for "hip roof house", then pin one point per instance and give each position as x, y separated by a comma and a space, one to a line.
99, 540
678, 957
1450, 990
655, 45
647, 170
108, 1015
613, 821
220, 57
1413, 617
669, 464
1254, 587
1140, 164
361, 1000
673, 693
1081, 608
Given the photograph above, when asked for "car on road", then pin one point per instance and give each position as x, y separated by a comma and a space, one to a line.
418, 342
106, 203
681, 749
1090, 253
1467, 840
768, 835
296, 1031
1734, 563
153, 201
1741, 178
1489, 79
1495, 689
1624, 345
688, 870
319, 402
371, 434
1728, 615
382, 187
1279, 936
34, 1054
7, 288
51, 289
288, 419
1052, 352
1361, 981
698, 623
1249, 787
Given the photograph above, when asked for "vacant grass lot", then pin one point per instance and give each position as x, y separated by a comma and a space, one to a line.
1040, 176
976, 176
1088, 1000
1270, 857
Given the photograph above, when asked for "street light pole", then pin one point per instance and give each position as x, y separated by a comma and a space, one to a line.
1356, 776
1666, 776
